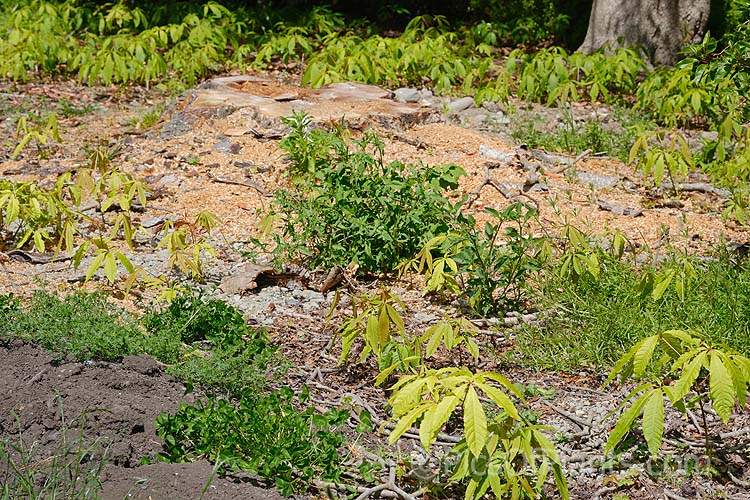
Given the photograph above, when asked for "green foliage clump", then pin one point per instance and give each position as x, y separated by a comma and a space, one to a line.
356, 208
114, 43
83, 325
425, 49
575, 138
262, 434
208, 344
230, 370
192, 317
507, 455
687, 371
487, 266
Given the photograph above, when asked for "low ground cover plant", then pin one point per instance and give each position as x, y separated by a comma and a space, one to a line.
207, 344
204, 342
262, 434
83, 325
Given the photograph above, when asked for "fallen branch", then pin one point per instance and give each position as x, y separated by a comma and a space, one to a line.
570, 416
249, 184
698, 187
501, 188
734, 434
618, 209
325, 485
738, 481
572, 163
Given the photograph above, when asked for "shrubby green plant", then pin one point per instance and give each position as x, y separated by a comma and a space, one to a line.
378, 324
355, 208
82, 325
38, 133
193, 317
487, 266
208, 344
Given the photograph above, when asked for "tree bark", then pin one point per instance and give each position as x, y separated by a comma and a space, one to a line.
659, 27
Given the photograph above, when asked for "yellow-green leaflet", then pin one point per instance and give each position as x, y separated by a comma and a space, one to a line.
475, 422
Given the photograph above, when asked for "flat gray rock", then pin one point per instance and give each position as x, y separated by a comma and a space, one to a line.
407, 95
269, 101
461, 104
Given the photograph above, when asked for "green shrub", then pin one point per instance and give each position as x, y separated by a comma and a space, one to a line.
487, 266
208, 344
230, 370
192, 317
356, 208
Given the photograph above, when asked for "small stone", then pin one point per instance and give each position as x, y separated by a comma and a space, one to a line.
461, 104
478, 120
491, 106
174, 128
169, 181
499, 118
223, 146
311, 307
311, 295
406, 95
424, 318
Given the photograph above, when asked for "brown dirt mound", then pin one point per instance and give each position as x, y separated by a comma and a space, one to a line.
115, 404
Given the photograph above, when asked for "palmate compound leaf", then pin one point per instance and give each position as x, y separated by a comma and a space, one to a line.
721, 387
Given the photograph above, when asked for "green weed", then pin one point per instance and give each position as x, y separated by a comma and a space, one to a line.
83, 325
262, 434
575, 138
486, 266
208, 344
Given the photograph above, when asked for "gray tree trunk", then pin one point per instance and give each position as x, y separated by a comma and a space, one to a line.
659, 27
